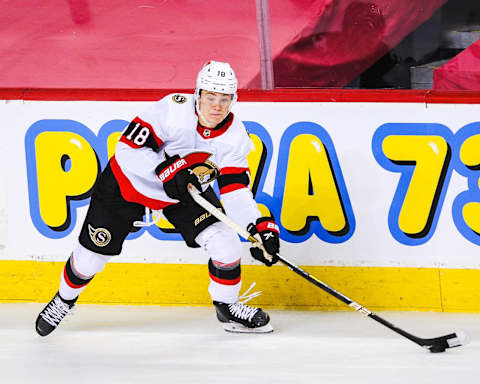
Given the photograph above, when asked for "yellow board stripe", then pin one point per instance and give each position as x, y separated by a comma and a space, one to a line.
377, 288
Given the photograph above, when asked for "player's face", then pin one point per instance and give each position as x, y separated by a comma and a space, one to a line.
214, 107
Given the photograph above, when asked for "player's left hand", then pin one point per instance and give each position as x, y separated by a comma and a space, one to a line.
267, 230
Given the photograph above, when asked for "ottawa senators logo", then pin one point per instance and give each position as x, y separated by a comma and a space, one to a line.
179, 99
204, 169
206, 172
100, 236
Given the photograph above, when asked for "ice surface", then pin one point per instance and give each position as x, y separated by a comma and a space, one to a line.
149, 344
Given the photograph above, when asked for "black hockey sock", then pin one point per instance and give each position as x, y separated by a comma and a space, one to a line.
73, 279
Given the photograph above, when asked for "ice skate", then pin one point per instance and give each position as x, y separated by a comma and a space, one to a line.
241, 318
53, 314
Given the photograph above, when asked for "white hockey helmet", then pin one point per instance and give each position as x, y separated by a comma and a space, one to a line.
216, 76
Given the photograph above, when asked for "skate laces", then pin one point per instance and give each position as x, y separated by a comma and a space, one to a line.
247, 297
242, 311
56, 311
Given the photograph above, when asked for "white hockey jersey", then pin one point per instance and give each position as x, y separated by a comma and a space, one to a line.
170, 126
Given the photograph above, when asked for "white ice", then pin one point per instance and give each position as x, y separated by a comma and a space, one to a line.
150, 344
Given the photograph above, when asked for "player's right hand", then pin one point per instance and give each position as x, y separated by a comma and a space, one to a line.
175, 176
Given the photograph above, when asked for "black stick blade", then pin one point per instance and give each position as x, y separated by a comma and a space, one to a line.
440, 344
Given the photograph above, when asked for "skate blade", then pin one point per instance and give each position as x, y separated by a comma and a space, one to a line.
239, 328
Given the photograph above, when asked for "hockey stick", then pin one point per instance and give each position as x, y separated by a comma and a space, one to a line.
436, 344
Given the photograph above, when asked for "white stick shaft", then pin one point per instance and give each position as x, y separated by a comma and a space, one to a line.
448, 341
200, 200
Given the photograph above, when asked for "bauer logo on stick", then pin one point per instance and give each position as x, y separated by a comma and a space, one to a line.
100, 236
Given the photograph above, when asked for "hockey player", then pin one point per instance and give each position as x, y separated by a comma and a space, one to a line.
181, 139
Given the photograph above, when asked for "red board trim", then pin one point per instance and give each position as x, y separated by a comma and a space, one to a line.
277, 95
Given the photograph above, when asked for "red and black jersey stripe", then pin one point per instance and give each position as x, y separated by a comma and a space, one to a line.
233, 178
220, 129
140, 134
128, 191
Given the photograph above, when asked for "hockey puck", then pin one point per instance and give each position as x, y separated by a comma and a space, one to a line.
436, 349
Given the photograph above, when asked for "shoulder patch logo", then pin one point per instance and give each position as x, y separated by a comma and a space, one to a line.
100, 236
180, 99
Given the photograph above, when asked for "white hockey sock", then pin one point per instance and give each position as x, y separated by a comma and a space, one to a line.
79, 270
224, 248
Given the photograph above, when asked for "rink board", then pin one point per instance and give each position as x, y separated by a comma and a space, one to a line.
377, 288
376, 194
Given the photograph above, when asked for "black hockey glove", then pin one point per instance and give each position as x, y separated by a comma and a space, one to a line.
268, 231
175, 176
